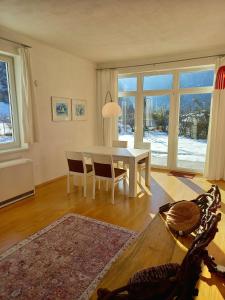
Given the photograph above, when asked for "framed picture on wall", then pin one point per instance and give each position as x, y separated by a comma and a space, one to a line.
61, 109
79, 109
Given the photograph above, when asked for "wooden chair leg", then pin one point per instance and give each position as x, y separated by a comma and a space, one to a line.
124, 183
107, 185
93, 191
85, 185
113, 188
139, 171
99, 184
68, 183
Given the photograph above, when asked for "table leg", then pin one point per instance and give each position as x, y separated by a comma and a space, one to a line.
147, 169
132, 177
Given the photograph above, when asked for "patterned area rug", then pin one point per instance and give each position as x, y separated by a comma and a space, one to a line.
65, 260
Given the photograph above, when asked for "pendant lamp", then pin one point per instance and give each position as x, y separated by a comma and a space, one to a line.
111, 109
220, 79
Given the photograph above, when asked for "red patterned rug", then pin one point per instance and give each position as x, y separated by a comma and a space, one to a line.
65, 260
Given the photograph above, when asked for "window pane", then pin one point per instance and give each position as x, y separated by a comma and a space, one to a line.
126, 122
193, 130
6, 125
158, 82
196, 79
128, 84
155, 127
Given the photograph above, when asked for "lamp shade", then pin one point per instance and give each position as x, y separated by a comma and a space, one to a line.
220, 79
111, 109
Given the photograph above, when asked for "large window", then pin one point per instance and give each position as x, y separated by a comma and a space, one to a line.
9, 129
127, 87
156, 126
170, 110
156, 107
195, 93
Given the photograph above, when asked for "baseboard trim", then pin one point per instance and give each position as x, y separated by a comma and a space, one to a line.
49, 181
17, 198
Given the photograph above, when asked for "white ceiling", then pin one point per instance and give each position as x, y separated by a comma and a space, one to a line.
112, 30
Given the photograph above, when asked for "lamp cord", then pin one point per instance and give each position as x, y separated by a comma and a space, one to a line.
110, 96
108, 93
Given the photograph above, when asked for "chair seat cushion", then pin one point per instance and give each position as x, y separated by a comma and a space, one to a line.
89, 168
119, 172
183, 217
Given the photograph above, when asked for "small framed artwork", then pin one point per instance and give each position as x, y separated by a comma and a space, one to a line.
79, 109
61, 109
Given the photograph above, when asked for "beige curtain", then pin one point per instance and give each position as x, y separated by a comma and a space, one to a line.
215, 158
106, 81
27, 94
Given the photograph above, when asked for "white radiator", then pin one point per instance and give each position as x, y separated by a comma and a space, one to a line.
16, 180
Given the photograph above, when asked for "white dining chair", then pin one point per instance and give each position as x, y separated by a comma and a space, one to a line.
119, 144
77, 166
141, 163
104, 170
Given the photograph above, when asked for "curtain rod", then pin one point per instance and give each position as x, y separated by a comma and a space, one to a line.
11, 41
161, 62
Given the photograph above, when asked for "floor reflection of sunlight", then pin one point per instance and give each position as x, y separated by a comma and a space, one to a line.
152, 215
143, 188
210, 287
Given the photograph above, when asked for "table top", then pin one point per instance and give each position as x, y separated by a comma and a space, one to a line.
126, 152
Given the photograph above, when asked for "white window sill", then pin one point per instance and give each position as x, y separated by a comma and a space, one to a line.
14, 150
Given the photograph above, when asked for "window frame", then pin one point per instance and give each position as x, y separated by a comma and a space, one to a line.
129, 94
127, 76
174, 94
157, 73
10, 61
197, 69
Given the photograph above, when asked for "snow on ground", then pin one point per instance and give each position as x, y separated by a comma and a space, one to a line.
5, 139
189, 150
5, 130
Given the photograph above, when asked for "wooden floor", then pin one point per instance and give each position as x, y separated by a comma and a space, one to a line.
26, 217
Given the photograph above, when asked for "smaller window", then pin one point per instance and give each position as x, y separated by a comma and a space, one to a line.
9, 127
158, 82
127, 84
196, 79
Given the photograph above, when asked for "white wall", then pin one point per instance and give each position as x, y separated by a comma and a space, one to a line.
57, 74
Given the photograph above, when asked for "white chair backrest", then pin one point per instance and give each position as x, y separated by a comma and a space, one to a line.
120, 144
103, 165
145, 145
74, 155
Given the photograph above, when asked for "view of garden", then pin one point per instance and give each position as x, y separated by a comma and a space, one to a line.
193, 127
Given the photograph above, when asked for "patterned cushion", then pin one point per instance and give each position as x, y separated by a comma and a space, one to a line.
183, 217
145, 277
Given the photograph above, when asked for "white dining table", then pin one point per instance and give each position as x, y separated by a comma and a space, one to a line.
130, 156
